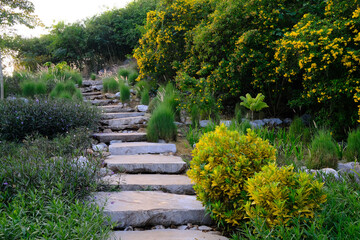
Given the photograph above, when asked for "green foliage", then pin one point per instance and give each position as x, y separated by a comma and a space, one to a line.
352, 151
46, 196
32, 88
48, 117
298, 129
110, 85
168, 95
123, 73
279, 195
66, 90
140, 86
124, 93
132, 78
253, 104
222, 162
145, 98
323, 151
93, 76
161, 124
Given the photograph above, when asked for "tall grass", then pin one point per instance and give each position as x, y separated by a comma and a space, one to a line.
123, 73
161, 124
145, 97
110, 85
352, 151
124, 93
324, 151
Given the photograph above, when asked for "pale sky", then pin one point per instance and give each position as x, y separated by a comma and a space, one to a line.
53, 11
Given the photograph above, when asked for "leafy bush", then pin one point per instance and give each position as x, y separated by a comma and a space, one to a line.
279, 195
161, 124
352, 151
323, 151
223, 161
92, 76
123, 73
124, 93
110, 85
20, 118
145, 98
253, 104
28, 89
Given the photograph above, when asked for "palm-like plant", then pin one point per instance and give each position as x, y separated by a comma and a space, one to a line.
254, 104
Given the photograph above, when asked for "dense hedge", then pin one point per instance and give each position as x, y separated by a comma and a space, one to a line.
22, 117
301, 55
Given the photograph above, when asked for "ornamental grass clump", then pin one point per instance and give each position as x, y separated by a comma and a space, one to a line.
161, 124
32, 88
145, 97
124, 93
222, 162
278, 195
352, 151
324, 152
110, 85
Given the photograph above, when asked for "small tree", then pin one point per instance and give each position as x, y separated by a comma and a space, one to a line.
254, 104
11, 13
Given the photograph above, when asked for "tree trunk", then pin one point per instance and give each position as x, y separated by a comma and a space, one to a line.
1, 79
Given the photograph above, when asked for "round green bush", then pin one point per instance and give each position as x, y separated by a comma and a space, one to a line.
161, 124
124, 93
28, 89
93, 76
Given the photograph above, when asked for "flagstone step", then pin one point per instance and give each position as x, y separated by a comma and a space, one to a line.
125, 123
178, 184
116, 108
148, 208
146, 164
166, 234
141, 148
107, 116
91, 94
100, 102
125, 137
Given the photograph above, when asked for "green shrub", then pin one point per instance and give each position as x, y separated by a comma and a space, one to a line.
28, 89
244, 126
70, 87
48, 117
154, 103
93, 76
124, 93
145, 98
323, 151
110, 85
195, 115
297, 129
132, 77
170, 96
352, 151
59, 88
279, 195
161, 124
74, 76
66, 90
123, 73
222, 162
41, 88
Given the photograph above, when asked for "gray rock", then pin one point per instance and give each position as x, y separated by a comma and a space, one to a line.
110, 96
138, 209
183, 227
105, 172
132, 91
82, 161
204, 123
227, 123
257, 123
161, 141
287, 121
107, 116
272, 121
127, 123
115, 141
117, 94
349, 165
329, 171
142, 108
99, 147
106, 131
204, 228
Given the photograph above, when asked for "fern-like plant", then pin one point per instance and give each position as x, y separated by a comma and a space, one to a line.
253, 104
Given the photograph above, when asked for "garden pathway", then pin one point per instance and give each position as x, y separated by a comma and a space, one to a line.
149, 196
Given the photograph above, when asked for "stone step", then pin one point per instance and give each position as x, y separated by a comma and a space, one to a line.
91, 94
138, 209
125, 137
178, 184
125, 123
146, 164
107, 116
116, 108
141, 148
166, 234
100, 102
88, 83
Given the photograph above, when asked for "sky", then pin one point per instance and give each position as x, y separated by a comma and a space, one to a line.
53, 11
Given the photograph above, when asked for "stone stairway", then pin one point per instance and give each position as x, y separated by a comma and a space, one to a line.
150, 192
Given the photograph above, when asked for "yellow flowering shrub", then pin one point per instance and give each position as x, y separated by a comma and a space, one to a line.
222, 162
279, 194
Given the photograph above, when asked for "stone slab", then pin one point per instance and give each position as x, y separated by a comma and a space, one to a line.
141, 148
116, 108
126, 123
166, 234
148, 208
121, 115
125, 137
91, 94
146, 163
88, 83
178, 184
